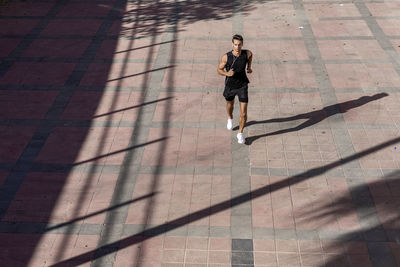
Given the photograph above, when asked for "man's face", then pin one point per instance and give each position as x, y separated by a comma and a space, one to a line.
237, 45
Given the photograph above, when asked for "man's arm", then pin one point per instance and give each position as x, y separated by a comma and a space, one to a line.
250, 59
221, 67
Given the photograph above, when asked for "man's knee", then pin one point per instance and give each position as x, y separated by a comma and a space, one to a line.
243, 114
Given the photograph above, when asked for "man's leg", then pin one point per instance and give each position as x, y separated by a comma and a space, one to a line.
243, 116
229, 108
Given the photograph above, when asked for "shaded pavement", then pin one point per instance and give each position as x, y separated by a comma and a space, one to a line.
114, 149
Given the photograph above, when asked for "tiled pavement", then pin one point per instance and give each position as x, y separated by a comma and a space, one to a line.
114, 151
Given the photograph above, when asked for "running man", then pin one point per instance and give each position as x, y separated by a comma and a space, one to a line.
233, 66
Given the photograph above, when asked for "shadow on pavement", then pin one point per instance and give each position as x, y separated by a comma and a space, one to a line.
61, 63
164, 228
313, 117
375, 241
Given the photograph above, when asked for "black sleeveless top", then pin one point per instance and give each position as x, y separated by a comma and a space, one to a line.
239, 79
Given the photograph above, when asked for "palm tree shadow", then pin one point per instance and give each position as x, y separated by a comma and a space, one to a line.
314, 117
376, 204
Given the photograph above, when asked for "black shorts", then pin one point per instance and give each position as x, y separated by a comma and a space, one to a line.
241, 92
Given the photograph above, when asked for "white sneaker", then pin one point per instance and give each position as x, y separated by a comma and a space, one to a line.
229, 124
240, 138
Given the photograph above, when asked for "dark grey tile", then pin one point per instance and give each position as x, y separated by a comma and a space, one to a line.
242, 245
239, 257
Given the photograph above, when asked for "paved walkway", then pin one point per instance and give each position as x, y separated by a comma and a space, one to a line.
114, 151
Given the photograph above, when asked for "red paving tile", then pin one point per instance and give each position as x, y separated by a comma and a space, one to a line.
340, 28
83, 10
318, 11
191, 76
21, 9
35, 73
318, 203
273, 29
265, 259
219, 243
57, 48
288, 259
62, 199
3, 177
175, 255
71, 27
359, 75
350, 49
184, 152
283, 76
222, 257
8, 45
79, 145
196, 256
116, 74
389, 26
25, 104
174, 242
132, 49
86, 105
13, 140
383, 9
17, 26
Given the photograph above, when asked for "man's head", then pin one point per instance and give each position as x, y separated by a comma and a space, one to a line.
237, 42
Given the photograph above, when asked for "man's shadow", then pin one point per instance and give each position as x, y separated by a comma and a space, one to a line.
314, 116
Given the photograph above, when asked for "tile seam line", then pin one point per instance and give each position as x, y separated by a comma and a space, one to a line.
383, 39
45, 129
37, 229
238, 28
153, 84
197, 62
271, 90
28, 38
4, 68
114, 37
312, 48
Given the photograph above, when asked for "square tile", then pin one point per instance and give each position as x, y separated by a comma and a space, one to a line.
141, 49
104, 106
333, 28
8, 45
13, 140
383, 9
23, 104
71, 27
56, 48
17, 26
82, 10
389, 26
38, 73
116, 74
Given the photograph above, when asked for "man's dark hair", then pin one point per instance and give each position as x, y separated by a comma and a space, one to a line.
237, 37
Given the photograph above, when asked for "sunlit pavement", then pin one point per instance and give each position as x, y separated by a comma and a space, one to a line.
114, 149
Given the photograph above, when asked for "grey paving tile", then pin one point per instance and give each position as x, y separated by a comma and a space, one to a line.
242, 245
264, 233
285, 234
278, 172
242, 258
194, 230
241, 232
220, 231
307, 234
241, 221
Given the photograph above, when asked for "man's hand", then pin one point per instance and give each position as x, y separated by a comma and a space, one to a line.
230, 73
249, 70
